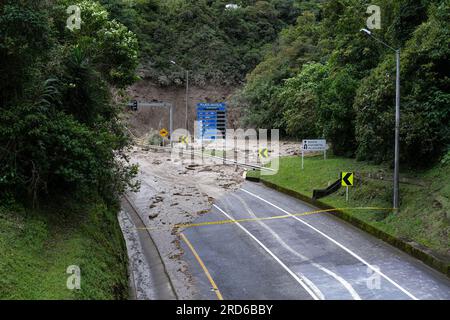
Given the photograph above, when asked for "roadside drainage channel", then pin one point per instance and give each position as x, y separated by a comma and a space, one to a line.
421, 253
163, 287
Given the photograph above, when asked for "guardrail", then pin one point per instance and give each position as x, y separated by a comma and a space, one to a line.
243, 164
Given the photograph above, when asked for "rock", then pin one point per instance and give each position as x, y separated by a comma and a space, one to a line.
157, 199
153, 215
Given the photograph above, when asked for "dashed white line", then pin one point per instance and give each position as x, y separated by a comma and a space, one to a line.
376, 270
341, 280
301, 280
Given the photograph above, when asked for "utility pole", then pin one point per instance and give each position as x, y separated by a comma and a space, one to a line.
187, 99
396, 197
397, 135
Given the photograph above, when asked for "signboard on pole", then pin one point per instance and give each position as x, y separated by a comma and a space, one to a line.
212, 119
347, 180
314, 146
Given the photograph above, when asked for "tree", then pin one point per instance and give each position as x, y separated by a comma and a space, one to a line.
58, 128
299, 98
335, 112
425, 98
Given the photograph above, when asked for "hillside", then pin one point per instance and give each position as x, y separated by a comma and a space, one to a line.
38, 246
218, 45
144, 120
324, 78
62, 150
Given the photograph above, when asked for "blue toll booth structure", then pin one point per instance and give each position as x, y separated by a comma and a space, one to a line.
212, 121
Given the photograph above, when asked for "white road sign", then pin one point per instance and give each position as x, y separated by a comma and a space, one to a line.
314, 145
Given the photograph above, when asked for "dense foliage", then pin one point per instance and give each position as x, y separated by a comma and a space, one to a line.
59, 130
319, 77
217, 44
323, 78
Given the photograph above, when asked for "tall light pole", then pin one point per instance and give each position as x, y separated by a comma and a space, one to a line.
187, 91
397, 121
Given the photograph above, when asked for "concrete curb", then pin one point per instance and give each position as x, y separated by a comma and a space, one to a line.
427, 256
163, 284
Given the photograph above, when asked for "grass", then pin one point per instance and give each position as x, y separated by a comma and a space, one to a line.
37, 247
425, 210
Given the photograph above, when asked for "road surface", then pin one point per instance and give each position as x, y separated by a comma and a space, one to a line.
295, 258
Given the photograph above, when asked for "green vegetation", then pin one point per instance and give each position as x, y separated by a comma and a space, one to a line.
58, 126
325, 79
60, 136
63, 162
37, 246
218, 45
424, 206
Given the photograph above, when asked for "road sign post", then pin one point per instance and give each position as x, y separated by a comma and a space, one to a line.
315, 146
212, 121
163, 133
303, 159
347, 180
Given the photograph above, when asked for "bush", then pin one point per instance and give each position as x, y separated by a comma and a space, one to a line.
59, 131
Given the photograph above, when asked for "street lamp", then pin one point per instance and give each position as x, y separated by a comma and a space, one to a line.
397, 121
187, 91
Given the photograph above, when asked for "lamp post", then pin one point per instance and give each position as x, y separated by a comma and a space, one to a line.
187, 91
397, 121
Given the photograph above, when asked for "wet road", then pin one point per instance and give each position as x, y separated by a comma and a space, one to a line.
298, 257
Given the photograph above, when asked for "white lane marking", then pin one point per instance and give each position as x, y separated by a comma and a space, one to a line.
341, 280
309, 282
313, 287
376, 270
300, 280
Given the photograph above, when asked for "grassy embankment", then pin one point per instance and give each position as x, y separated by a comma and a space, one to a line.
37, 246
425, 206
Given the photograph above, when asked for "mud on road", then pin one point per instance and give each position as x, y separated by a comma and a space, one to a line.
175, 191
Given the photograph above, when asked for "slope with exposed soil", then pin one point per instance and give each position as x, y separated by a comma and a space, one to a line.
146, 119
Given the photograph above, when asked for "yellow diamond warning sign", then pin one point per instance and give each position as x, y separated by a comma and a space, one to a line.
163, 133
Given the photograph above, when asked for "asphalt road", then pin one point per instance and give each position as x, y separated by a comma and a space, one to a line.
296, 258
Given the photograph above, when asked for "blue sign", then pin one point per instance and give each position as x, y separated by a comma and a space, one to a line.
212, 120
